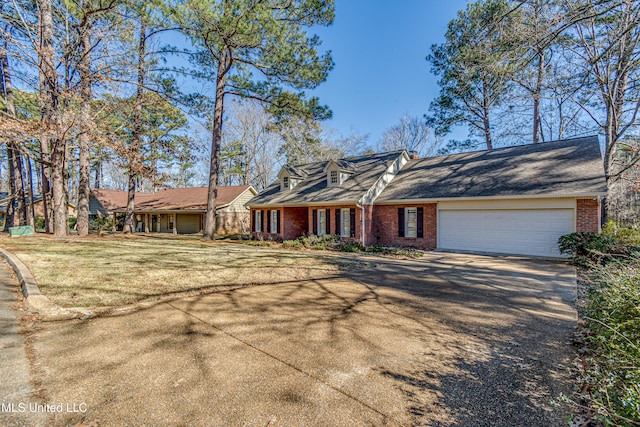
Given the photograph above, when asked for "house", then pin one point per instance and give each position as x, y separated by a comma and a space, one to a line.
516, 200
177, 210
38, 206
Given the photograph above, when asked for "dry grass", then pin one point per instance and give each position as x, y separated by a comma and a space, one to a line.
119, 270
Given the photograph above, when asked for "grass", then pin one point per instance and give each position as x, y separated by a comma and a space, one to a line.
118, 270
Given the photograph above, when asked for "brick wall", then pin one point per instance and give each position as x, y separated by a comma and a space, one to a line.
385, 226
587, 215
294, 223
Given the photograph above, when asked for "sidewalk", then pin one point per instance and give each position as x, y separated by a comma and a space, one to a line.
17, 402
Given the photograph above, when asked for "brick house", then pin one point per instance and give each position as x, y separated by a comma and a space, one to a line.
177, 210
516, 200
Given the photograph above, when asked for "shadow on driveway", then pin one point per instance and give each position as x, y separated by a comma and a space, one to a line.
448, 339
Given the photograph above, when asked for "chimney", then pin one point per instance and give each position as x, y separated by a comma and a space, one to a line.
413, 155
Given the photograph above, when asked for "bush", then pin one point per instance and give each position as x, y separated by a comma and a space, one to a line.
350, 247
625, 235
587, 248
612, 314
39, 223
101, 223
292, 244
585, 243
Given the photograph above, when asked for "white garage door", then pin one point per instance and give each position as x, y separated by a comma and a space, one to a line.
525, 232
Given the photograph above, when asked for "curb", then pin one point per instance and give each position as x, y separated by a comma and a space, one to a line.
34, 300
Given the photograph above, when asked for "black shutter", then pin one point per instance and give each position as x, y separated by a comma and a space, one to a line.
253, 221
327, 223
262, 220
314, 217
400, 222
352, 221
338, 231
420, 222
278, 219
269, 221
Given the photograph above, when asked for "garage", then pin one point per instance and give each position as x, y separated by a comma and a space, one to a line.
188, 223
513, 231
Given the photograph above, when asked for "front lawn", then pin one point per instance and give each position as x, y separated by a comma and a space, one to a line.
116, 270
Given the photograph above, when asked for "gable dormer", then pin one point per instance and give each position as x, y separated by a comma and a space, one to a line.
289, 177
338, 171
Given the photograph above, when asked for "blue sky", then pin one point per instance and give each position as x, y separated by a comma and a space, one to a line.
379, 49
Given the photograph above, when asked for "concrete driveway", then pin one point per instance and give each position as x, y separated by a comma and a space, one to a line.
446, 340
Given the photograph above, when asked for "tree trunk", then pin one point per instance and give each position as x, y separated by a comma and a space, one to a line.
14, 157
18, 176
134, 152
97, 174
31, 212
485, 118
9, 217
209, 231
84, 137
536, 98
50, 146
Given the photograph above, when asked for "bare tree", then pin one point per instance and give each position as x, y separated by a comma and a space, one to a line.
608, 48
411, 133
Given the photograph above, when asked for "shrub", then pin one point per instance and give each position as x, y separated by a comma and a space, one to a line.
39, 223
292, 244
613, 318
350, 247
101, 223
585, 243
625, 235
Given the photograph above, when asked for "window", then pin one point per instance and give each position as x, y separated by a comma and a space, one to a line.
322, 222
258, 221
334, 178
345, 222
171, 222
285, 183
274, 221
411, 222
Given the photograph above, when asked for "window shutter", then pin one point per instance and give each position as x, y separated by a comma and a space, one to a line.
252, 219
269, 221
278, 221
262, 219
352, 221
315, 221
327, 222
338, 222
400, 222
420, 222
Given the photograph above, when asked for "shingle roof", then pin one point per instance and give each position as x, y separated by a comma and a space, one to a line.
170, 199
313, 189
557, 168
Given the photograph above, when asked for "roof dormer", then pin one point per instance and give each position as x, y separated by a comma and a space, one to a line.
290, 177
338, 171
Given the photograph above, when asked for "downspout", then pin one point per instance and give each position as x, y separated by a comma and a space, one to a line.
362, 218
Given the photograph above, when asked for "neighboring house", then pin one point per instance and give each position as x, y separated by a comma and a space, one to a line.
38, 206
177, 210
516, 200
